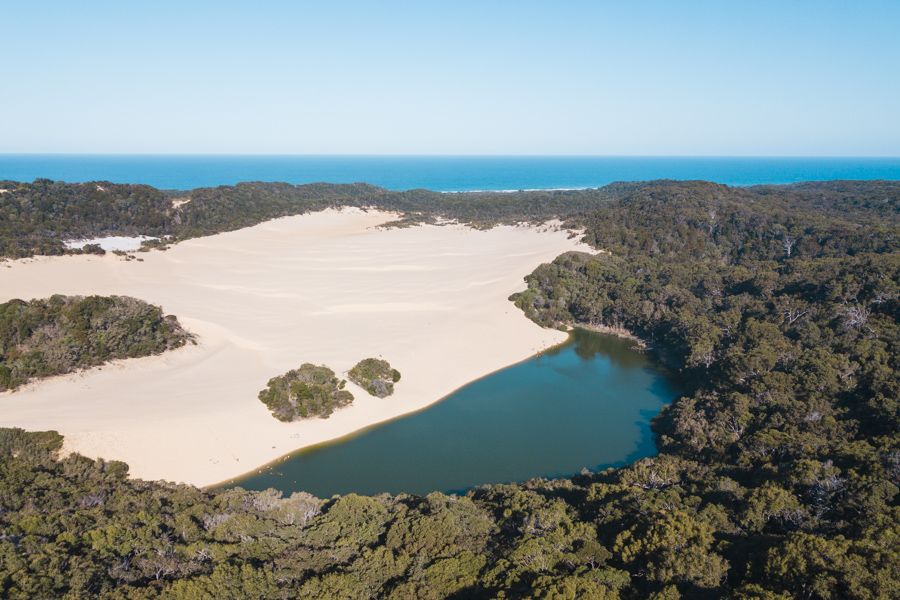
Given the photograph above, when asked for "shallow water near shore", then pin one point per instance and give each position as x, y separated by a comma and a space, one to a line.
586, 403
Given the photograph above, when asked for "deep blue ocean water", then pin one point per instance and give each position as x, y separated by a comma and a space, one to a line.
441, 173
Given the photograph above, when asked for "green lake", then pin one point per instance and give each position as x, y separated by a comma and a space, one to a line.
586, 403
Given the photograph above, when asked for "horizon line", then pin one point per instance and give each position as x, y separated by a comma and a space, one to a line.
430, 155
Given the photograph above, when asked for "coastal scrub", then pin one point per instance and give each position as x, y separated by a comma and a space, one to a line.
62, 334
376, 376
306, 392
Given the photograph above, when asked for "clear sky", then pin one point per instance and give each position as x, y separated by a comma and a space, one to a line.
458, 77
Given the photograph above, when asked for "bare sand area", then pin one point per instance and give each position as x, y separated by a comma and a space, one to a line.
329, 288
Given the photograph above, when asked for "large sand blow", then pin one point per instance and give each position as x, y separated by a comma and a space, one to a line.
327, 288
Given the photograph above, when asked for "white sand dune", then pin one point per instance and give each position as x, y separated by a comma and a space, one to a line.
110, 243
327, 288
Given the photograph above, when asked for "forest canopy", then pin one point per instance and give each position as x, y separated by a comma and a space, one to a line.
778, 469
38, 217
62, 334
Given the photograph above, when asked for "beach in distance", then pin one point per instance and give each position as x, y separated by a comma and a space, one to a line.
329, 288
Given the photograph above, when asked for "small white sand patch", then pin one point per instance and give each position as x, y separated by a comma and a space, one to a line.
115, 242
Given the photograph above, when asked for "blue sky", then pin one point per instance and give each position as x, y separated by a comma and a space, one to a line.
388, 77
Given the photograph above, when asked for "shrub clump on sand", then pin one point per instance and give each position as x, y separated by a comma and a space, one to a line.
306, 392
376, 376
62, 334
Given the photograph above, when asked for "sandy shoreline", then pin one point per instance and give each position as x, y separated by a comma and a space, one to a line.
328, 288
235, 480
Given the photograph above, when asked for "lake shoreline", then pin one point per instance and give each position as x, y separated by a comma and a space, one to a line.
330, 288
590, 399
619, 332
235, 481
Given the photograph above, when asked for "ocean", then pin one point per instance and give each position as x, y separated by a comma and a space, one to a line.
440, 173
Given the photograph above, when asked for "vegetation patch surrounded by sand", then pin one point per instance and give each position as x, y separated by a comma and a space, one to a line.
62, 334
375, 375
304, 393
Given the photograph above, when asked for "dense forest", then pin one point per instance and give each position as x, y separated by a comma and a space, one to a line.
37, 217
777, 474
62, 334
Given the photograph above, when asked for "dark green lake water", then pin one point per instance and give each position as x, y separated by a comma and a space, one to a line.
586, 403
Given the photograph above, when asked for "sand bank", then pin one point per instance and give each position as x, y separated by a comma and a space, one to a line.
328, 288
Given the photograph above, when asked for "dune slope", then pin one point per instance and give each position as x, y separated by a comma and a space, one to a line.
329, 288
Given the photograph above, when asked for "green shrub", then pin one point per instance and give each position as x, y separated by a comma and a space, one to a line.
306, 392
376, 376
